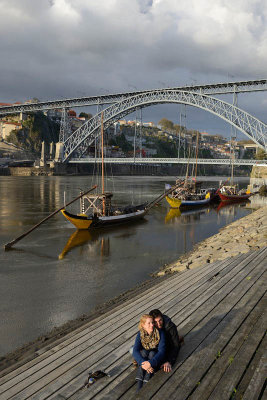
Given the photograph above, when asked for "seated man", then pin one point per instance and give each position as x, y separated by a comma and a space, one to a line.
173, 342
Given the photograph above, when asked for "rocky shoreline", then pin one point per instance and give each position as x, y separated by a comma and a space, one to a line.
246, 234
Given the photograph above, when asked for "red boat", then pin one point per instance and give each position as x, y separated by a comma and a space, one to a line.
233, 197
230, 194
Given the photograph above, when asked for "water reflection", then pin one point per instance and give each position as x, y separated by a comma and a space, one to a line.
97, 241
185, 216
94, 243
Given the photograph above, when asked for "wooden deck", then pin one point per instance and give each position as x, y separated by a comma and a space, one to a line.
218, 308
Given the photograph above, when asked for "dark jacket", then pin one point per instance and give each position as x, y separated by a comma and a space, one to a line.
172, 340
159, 357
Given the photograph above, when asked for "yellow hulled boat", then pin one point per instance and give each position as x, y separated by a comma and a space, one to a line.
173, 201
80, 221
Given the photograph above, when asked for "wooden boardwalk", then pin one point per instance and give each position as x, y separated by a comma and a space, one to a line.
218, 308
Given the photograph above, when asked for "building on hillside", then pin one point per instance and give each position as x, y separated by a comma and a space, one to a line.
7, 126
122, 122
72, 114
149, 124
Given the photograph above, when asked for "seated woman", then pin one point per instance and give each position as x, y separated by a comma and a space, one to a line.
149, 349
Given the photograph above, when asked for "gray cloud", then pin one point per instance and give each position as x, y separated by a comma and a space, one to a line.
60, 48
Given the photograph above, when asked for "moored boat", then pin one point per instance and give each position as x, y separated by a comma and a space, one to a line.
117, 216
233, 197
230, 193
187, 197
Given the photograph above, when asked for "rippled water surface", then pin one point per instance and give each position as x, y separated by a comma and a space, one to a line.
56, 274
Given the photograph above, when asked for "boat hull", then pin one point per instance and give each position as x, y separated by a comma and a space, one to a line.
194, 203
233, 197
178, 203
79, 221
173, 202
84, 222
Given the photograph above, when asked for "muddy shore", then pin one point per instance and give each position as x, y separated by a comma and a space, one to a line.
246, 234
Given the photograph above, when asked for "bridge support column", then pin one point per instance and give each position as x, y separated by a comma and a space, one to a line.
59, 152
43, 155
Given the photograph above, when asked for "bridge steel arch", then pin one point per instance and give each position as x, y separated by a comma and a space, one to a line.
244, 122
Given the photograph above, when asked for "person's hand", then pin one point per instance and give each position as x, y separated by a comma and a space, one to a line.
146, 365
166, 367
150, 370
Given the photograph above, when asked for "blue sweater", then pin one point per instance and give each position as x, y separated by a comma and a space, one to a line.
159, 357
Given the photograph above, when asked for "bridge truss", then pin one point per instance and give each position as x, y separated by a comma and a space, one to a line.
208, 89
155, 161
244, 122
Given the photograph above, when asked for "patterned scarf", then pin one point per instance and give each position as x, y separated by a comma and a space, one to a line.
149, 341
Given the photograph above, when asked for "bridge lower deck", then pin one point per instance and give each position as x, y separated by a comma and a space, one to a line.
219, 309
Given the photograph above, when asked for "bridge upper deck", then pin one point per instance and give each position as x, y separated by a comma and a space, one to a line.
208, 89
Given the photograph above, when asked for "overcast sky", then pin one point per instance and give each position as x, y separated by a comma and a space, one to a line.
66, 48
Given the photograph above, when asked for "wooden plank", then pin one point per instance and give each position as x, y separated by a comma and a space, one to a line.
231, 377
110, 318
118, 371
121, 390
204, 358
68, 376
203, 292
255, 383
206, 325
64, 393
92, 333
209, 381
57, 355
230, 287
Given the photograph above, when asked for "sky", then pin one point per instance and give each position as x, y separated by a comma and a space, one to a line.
53, 49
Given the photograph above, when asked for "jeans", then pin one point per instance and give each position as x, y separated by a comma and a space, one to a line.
142, 375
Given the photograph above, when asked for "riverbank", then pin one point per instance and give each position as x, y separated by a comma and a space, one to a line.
246, 234
253, 225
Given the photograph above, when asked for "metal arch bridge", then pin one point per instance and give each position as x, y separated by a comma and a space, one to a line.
246, 123
208, 89
154, 161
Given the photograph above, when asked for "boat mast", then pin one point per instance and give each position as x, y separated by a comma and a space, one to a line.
232, 160
102, 153
187, 168
196, 160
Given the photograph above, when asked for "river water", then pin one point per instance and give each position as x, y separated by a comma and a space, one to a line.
54, 275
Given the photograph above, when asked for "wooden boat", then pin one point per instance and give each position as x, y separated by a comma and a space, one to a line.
98, 219
188, 200
230, 197
230, 193
174, 202
190, 195
98, 211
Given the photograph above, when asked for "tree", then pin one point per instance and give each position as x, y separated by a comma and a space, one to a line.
260, 155
85, 115
164, 123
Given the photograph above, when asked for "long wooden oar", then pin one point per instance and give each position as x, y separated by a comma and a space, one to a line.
10, 244
158, 199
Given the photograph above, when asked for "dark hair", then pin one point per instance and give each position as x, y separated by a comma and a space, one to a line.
156, 313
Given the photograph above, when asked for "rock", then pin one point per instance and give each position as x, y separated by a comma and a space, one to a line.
178, 268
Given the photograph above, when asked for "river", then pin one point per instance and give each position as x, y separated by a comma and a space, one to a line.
54, 275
